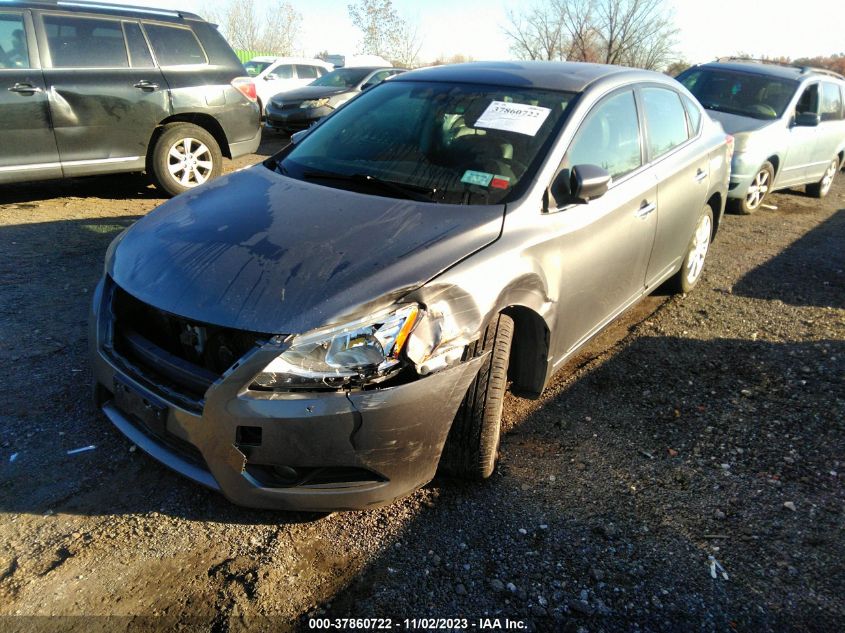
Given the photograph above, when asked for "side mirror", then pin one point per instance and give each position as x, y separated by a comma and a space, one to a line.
807, 119
271, 77
579, 185
297, 137
367, 85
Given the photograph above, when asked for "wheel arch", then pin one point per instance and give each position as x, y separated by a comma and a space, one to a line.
716, 204
529, 356
205, 121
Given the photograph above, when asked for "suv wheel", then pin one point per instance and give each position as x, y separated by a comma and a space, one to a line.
690, 273
757, 191
821, 188
185, 156
473, 443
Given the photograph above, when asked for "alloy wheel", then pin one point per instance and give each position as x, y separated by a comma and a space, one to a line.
189, 162
698, 251
827, 179
758, 189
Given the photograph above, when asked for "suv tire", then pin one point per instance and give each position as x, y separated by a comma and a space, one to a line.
185, 156
473, 443
821, 188
754, 199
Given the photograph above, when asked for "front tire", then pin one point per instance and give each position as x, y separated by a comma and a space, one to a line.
757, 191
185, 156
472, 446
699, 245
821, 188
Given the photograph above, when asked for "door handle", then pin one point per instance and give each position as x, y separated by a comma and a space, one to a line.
645, 209
700, 176
145, 85
24, 89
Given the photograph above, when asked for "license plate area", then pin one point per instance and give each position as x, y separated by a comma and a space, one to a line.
146, 410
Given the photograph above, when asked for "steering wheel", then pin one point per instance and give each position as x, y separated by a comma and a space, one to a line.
764, 109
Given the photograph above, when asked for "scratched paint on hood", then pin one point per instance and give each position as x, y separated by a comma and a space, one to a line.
262, 252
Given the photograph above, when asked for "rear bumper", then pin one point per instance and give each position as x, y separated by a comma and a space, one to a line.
241, 148
238, 439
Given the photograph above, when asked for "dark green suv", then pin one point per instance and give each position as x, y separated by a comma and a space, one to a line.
90, 88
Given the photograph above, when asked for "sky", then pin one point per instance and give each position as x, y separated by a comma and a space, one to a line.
707, 28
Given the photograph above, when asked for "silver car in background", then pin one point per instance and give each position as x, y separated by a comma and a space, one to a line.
787, 121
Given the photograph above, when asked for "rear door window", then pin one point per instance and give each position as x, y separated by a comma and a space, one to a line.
609, 137
665, 120
831, 109
139, 52
174, 46
306, 72
284, 71
85, 42
13, 49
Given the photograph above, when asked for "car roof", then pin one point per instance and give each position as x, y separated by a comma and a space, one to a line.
771, 69
288, 60
564, 76
368, 69
101, 7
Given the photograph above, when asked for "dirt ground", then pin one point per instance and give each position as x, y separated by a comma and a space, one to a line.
685, 473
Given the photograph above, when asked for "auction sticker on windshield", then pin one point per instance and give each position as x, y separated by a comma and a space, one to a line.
513, 117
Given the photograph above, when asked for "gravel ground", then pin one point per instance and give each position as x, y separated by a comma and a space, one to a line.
684, 473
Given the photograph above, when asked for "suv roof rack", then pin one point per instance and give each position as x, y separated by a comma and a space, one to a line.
803, 69
823, 71
93, 4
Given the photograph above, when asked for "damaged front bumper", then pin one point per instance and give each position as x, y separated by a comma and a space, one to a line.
319, 451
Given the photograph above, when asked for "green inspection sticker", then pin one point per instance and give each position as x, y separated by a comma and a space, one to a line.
480, 178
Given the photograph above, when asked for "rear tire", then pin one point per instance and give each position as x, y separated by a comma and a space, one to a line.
757, 191
693, 265
821, 188
185, 156
472, 447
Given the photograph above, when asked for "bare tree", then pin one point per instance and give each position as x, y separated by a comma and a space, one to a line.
273, 31
537, 33
385, 32
283, 23
626, 32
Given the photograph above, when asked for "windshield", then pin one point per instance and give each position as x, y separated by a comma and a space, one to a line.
746, 94
253, 68
343, 77
457, 143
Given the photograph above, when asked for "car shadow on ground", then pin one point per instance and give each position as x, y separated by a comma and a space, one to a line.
107, 187
601, 512
127, 186
810, 272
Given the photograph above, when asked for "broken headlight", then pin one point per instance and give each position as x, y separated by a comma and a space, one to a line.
363, 350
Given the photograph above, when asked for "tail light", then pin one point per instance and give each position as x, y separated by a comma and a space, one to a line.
730, 142
246, 87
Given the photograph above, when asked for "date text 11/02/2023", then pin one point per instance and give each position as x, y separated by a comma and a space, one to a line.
427, 624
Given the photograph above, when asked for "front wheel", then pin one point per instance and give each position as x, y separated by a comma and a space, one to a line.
757, 190
185, 156
473, 443
690, 273
821, 188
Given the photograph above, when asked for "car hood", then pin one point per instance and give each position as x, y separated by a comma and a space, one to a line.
735, 123
310, 92
262, 252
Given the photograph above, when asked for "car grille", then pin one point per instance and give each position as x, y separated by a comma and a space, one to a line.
176, 357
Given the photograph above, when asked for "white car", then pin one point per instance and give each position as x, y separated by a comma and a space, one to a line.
273, 75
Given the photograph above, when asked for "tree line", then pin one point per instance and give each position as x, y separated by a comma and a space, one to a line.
637, 33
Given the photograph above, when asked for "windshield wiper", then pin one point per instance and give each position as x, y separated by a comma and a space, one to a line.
411, 192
